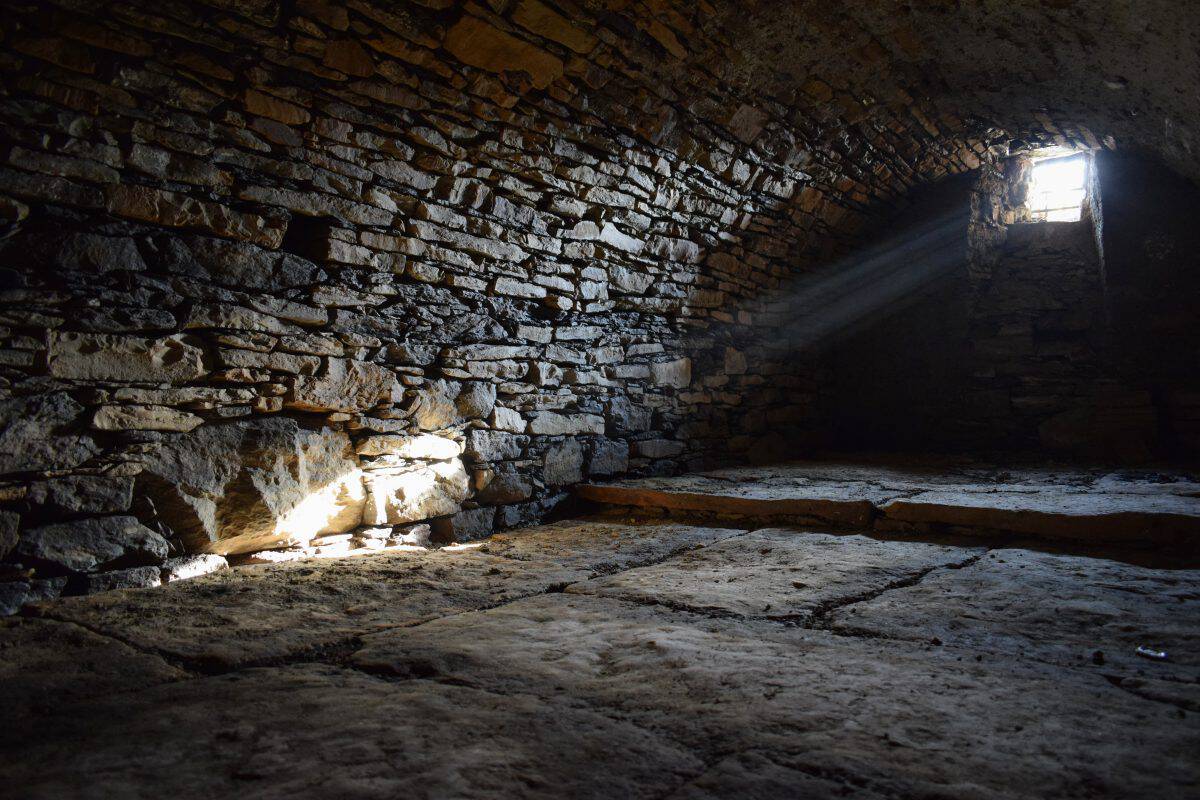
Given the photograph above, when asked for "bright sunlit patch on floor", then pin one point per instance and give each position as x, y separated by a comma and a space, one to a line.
457, 548
1057, 187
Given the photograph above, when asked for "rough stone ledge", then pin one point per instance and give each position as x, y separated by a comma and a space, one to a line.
1088, 509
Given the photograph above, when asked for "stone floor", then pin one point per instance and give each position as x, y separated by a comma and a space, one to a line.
615, 658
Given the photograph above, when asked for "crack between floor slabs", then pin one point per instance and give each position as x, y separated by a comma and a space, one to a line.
167, 658
557, 588
336, 652
735, 532
574, 702
980, 654
803, 619
195, 668
579, 702
823, 610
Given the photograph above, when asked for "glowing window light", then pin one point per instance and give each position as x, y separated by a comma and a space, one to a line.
1057, 189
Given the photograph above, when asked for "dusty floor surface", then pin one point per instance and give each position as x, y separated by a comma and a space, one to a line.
612, 659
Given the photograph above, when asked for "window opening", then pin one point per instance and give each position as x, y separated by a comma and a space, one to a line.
1057, 188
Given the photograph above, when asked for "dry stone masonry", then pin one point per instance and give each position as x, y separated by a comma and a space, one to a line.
282, 275
350, 273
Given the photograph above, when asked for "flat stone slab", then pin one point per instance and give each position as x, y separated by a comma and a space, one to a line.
778, 573
1057, 608
316, 731
840, 505
897, 718
48, 666
1084, 505
263, 614
602, 546
1058, 514
597, 659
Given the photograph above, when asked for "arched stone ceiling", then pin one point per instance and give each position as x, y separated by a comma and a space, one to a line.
1123, 72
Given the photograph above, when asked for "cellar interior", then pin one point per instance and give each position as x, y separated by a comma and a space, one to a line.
639, 398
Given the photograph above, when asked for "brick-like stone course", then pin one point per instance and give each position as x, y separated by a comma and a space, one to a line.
489, 243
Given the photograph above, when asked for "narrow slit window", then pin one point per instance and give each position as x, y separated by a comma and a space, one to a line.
1057, 189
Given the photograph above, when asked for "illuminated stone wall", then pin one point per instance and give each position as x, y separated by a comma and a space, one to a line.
313, 273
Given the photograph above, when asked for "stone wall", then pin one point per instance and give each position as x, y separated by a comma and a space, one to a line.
1059, 339
1036, 328
1152, 282
314, 273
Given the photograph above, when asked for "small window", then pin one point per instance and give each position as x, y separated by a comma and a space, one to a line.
1056, 188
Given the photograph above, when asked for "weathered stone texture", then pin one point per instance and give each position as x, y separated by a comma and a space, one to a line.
125, 359
245, 486
90, 544
402, 497
35, 434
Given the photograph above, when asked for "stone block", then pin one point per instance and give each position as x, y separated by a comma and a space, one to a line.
192, 566
83, 494
144, 418
465, 526
435, 406
264, 105
99, 254
424, 446
10, 521
14, 595
132, 578
474, 42
562, 463
37, 433
542, 20
485, 445
100, 357
549, 423
658, 448
735, 362
476, 400
626, 417
344, 385
610, 235
677, 373
90, 544
630, 281
609, 457
504, 486
250, 485
416, 495
505, 419
177, 210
